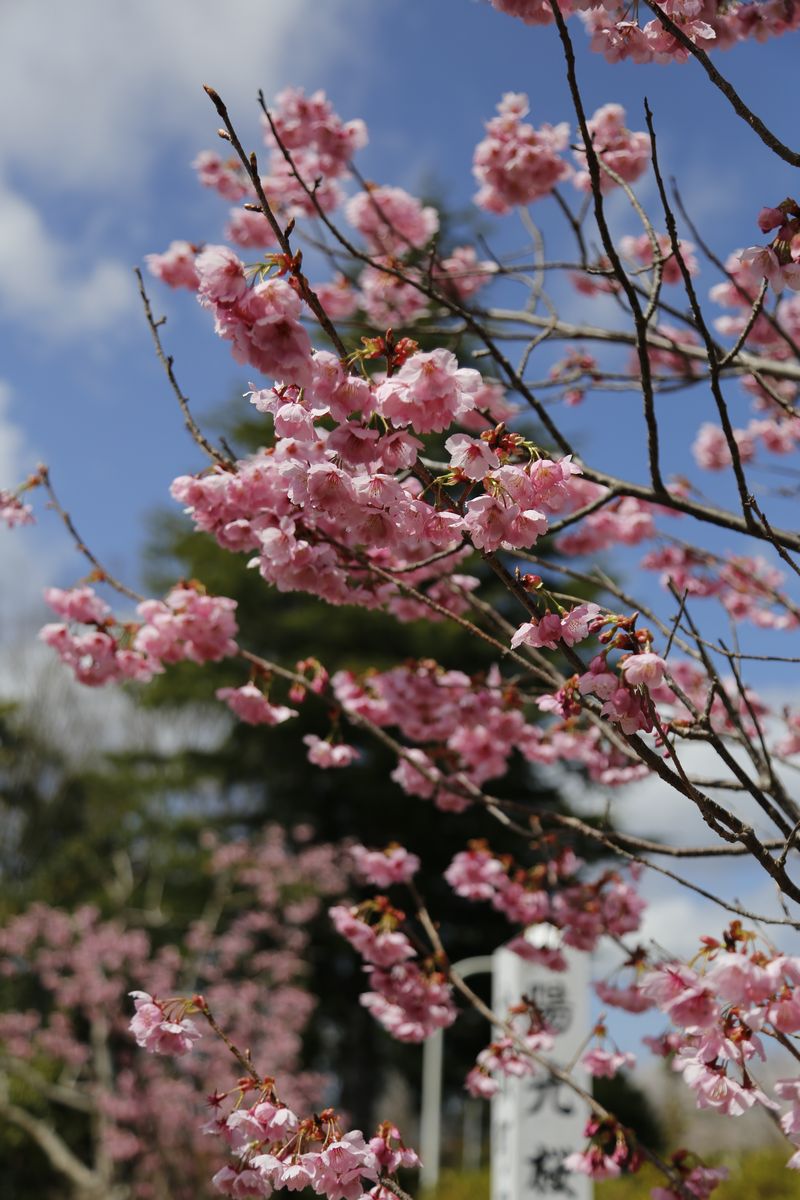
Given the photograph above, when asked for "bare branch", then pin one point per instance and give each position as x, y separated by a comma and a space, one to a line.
167, 363
99, 571
58, 1153
729, 92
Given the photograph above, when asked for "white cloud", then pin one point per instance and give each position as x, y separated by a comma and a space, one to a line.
84, 723
112, 82
16, 458
46, 282
652, 808
115, 88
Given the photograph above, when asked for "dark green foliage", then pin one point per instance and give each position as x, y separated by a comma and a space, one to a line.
632, 1108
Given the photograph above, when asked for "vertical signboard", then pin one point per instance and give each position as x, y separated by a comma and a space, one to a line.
537, 1121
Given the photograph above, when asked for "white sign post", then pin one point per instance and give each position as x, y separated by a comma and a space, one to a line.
537, 1121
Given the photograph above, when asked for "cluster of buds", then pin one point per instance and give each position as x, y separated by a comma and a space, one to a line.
396, 351
693, 1178
612, 1151
513, 1056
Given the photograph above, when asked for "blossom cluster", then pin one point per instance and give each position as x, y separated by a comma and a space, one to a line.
512, 1056
411, 1001
159, 1028
248, 955
618, 37
271, 1146
551, 893
14, 511
188, 625
270, 1143
325, 504
311, 148
517, 164
748, 586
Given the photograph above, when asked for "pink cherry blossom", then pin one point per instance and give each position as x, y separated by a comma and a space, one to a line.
238, 1181
176, 266
78, 604
532, 12
543, 633
337, 297
594, 1163
606, 1063
462, 273
641, 249
13, 511
250, 230
711, 449
480, 1084
547, 956
220, 274
225, 177
645, 668
310, 126
391, 221
515, 163
389, 302
626, 153
625, 708
157, 1032
681, 994
764, 262
407, 1003
631, 999
327, 754
471, 455
385, 867
577, 624
598, 680
96, 658
475, 874
341, 1168
187, 625
429, 392
251, 705
770, 218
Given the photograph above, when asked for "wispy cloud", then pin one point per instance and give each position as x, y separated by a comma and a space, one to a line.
46, 282
16, 457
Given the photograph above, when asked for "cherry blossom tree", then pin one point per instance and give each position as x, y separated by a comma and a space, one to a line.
399, 479
108, 1120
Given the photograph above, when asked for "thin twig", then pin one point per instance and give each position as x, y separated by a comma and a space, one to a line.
167, 363
640, 322
101, 574
250, 165
729, 92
